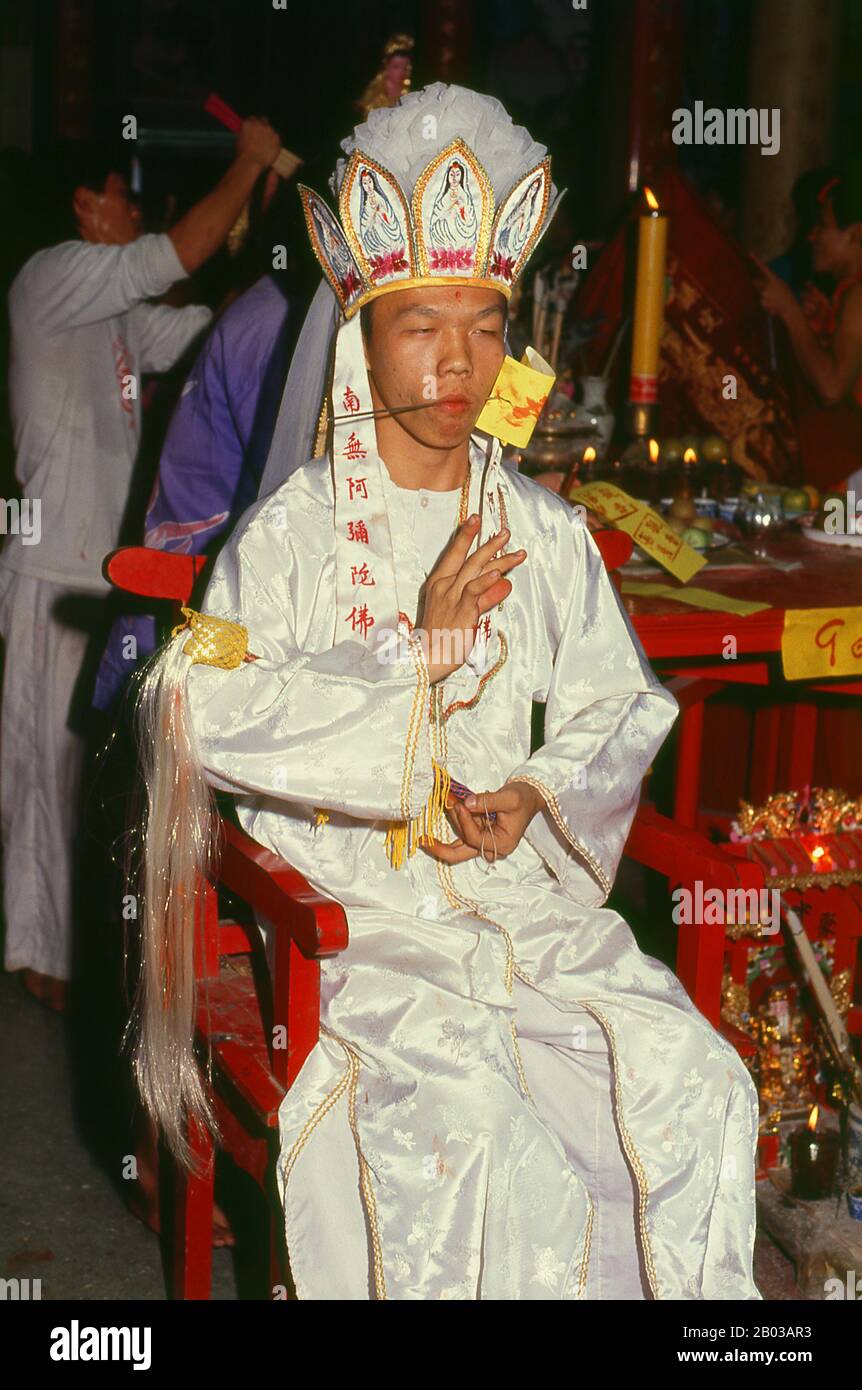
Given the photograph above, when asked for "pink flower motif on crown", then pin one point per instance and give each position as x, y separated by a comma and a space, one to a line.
502, 267
349, 283
460, 259
391, 264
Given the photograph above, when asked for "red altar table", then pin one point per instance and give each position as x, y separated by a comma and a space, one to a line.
686, 644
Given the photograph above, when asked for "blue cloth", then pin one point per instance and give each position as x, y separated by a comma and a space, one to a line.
213, 455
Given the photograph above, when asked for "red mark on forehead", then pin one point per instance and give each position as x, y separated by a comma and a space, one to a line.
457, 294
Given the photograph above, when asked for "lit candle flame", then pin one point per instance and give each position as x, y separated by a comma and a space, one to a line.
818, 852
689, 456
812, 1118
652, 200
653, 450
589, 454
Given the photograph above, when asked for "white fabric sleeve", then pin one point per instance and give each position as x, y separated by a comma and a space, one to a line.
84, 282
340, 729
606, 716
163, 333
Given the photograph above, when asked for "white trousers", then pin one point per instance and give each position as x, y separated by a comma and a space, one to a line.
568, 1066
41, 761
567, 1062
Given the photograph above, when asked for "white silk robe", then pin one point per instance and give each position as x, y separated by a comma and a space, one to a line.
509, 1099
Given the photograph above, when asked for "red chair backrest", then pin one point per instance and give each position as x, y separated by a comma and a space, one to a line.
615, 546
161, 574
139, 569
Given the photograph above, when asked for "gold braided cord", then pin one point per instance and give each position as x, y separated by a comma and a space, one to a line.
213, 641
364, 1174
404, 837
522, 1077
588, 1240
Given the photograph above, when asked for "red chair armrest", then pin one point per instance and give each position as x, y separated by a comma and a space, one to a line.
279, 892
684, 856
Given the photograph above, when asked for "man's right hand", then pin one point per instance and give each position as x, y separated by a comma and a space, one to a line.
458, 591
257, 141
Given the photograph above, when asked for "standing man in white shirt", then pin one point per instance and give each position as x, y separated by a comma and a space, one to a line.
82, 334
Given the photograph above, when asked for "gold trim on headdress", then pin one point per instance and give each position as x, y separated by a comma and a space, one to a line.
493, 256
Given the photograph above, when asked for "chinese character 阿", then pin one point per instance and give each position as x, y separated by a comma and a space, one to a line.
358, 531
358, 488
361, 574
361, 619
353, 448
350, 400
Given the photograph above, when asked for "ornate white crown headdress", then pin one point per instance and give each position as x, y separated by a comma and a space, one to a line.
440, 189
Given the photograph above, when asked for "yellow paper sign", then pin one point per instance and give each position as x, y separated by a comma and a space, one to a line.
821, 642
698, 598
645, 526
517, 398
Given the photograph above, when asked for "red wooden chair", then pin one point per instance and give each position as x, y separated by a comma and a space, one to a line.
249, 1075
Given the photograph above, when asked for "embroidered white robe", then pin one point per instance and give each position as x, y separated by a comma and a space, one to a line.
425, 1154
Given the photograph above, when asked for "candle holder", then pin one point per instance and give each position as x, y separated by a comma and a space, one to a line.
641, 423
813, 1161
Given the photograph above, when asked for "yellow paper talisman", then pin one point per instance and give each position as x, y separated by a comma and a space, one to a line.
517, 398
645, 526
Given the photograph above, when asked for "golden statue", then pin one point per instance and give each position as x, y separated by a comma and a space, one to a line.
393, 79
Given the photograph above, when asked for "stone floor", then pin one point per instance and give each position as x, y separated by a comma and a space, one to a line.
63, 1213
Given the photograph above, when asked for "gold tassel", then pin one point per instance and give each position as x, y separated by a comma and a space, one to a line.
403, 838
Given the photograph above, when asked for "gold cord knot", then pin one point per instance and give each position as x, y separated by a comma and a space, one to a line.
214, 641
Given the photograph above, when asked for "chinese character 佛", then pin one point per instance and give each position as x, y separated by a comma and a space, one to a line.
361, 619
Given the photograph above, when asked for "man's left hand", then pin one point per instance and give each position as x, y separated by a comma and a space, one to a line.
515, 804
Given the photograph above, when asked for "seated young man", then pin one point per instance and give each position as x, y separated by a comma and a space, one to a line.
508, 1099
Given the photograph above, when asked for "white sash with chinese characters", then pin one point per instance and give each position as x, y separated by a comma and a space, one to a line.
366, 597
366, 585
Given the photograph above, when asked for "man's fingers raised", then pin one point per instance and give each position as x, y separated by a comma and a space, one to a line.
456, 551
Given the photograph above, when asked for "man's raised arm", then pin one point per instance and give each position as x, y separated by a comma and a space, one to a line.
203, 229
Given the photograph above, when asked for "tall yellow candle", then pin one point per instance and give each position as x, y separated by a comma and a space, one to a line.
649, 303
